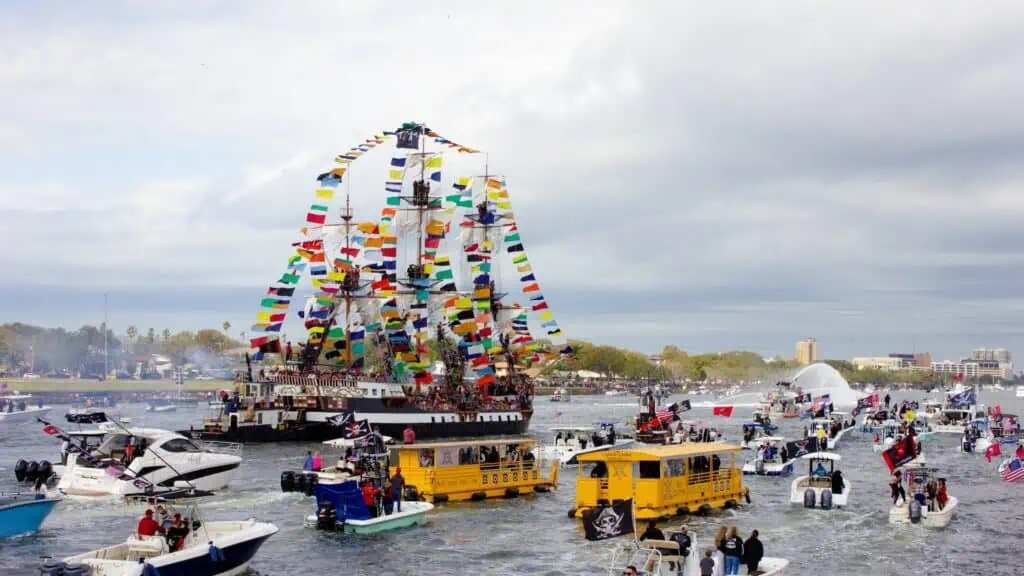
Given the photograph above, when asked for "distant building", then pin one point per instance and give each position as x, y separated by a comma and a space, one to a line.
657, 359
919, 360
974, 368
878, 362
1001, 355
807, 351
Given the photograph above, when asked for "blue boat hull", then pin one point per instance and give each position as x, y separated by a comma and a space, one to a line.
24, 517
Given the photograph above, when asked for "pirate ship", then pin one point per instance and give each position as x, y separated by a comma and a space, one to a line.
371, 332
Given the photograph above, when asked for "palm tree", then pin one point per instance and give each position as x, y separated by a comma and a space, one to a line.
133, 332
227, 326
166, 334
151, 336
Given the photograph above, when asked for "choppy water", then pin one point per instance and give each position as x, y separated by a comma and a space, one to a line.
531, 535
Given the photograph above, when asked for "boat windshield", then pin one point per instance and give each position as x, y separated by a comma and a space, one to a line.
179, 445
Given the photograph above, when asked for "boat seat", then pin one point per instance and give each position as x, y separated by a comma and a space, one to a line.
145, 548
669, 550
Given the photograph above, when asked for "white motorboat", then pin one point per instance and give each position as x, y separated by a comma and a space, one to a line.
1020, 391
930, 409
160, 461
953, 420
219, 548
1003, 429
561, 395
572, 441
15, 409
92, 415
820, 488
886, 437
614, 392
669, 558
768, 461
916, 508
836, 426
157, 408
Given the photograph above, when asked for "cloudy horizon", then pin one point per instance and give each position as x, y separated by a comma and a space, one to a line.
682, 173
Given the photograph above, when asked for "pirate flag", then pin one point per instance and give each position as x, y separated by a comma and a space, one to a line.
343, 419
798, 448
901, 452
357, 429
609, 521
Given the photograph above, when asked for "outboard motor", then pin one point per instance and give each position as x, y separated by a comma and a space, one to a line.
77, 570
287, 481
326, 517
826, 499
966, 443
915, 511
32, 471
311, 481
45, 470
20, 469
300, 482
759, 467
809, 498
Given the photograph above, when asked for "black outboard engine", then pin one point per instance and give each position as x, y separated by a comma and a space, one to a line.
45, 470
809, 498
311, 481
51, 567
32, 471
966, 443
326, 517
20, 469
300, 482
914, 509
287, 481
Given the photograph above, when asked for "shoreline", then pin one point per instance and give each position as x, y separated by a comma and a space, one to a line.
80, 385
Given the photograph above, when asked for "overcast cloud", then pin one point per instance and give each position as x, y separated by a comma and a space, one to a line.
683, 173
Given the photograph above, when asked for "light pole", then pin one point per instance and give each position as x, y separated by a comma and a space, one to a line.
106, 369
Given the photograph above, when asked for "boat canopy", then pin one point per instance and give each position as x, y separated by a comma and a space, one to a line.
822, 456
463, 443
770, 439
351, 442
655, 453
571, 429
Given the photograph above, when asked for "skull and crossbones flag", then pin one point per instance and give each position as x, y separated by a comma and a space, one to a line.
609, 521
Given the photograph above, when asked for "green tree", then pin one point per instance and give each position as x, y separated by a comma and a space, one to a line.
227, 326
151, 336
166, 334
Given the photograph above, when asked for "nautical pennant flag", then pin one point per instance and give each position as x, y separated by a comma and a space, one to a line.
51, 430
722, 411
609, 521
1012, 471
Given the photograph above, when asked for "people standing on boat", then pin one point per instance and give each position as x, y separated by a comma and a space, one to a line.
288, 353
838, 485
177, 533
162, 517
886, 400
317, 462
942, 497
822, 438
148, 526
896, 487
732, 548
40, 488
409, 435
753, 551
398, 487
931, 491
387, 496
652, 532
1020, 452
307, 464
370, 495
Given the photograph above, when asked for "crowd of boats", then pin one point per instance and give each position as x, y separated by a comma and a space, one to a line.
665, 466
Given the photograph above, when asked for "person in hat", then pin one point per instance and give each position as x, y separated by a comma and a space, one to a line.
148, 526
176, 533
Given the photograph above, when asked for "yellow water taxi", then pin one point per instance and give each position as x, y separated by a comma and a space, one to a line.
472, 469
663, 481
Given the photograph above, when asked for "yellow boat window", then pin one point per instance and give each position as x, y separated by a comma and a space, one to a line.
426, 457
649, 469
469, 455
448, 456
593, 470
674, 468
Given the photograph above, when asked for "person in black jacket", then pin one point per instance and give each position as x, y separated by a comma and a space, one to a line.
652, 532
732, 549
753, 551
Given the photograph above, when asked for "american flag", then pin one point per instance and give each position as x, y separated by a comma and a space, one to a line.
667, 414
1012, 471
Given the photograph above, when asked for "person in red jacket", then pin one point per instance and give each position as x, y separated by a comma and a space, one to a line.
148, 526
370, 498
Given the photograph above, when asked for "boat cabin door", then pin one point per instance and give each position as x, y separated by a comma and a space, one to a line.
620, 478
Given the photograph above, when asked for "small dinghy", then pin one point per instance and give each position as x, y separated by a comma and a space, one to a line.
24, 513
919, 508
197, 548
824, 486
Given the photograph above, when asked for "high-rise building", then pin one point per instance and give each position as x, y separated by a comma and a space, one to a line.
1001, 355
807, 351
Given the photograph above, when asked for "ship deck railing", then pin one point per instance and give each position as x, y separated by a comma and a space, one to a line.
219, 447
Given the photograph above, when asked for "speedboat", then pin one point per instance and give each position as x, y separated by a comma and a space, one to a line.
1003, 428
886, 437
614, 392
916, 509
953, 420
340, 507
753, 432
210, 548
874, 418
24, 513
769, 461
160, 461
820, 488
1020, 391
836, 426
679, 554
571, 441
561, 395
16, 410
160, 407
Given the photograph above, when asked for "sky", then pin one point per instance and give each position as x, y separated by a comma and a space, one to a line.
683, 173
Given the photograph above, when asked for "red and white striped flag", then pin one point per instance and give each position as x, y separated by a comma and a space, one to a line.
1012, 471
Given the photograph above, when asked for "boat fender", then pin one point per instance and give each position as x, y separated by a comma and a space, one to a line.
287, 481
511, 492
45, 470
440, 498
311, 481
684, 511
809, 498
51, 567
746, 494
216, 554
826, 499
150, 570
19, 470
730, 504
541, 489
478, 496
77, 570
411, 493
704, 510
32, 471
572, 513
914, 508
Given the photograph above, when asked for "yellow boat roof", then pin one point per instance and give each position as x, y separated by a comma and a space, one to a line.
464, 443
659, 452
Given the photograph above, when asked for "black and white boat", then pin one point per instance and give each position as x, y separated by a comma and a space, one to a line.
206, 549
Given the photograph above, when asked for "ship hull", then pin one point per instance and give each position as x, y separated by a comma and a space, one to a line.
388, 425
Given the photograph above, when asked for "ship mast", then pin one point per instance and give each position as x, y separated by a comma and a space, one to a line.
346, 217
